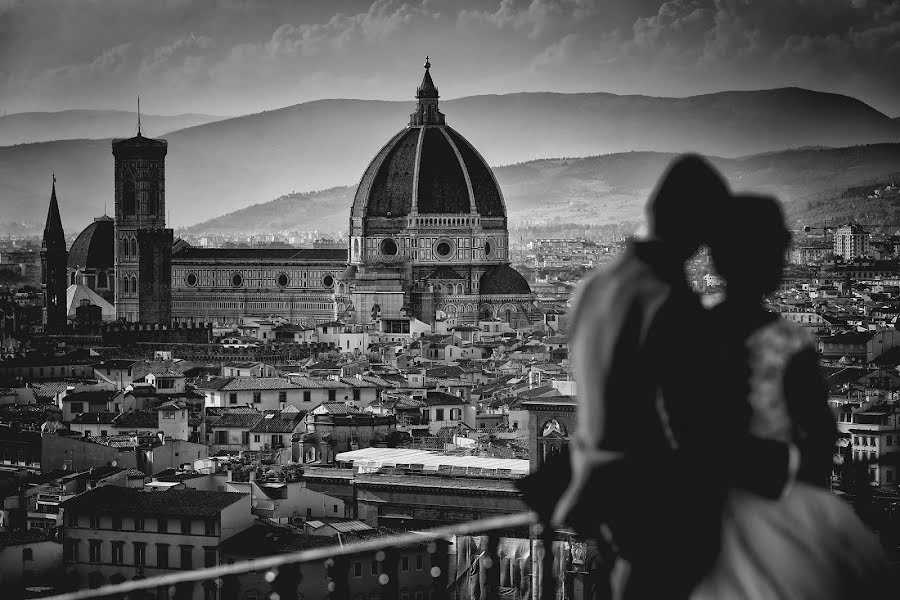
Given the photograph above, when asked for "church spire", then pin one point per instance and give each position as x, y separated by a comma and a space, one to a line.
427, 112
54, 237
53, 267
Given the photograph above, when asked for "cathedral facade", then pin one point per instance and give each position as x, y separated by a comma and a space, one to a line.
428, 239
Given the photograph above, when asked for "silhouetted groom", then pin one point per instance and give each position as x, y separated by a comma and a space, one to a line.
655, 448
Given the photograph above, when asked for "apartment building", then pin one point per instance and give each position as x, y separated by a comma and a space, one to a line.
112, 534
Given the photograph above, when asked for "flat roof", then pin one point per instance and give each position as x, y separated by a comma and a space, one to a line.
373, 459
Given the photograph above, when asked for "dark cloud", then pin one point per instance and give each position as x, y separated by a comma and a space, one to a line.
236, 56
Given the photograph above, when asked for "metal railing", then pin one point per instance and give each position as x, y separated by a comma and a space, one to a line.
331, 571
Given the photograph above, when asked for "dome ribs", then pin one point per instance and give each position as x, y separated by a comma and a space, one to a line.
442, 184
488, 199
391, 192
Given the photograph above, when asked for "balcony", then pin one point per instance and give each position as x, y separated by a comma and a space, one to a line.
492, 558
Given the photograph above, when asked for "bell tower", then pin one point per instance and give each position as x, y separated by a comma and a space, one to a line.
143, 252
53, 267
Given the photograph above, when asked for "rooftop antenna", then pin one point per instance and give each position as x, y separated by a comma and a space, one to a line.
139, 115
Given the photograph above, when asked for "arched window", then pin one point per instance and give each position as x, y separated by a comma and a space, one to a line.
134, 285
153, 200
72, 278
133, 247
123, 247
128, 197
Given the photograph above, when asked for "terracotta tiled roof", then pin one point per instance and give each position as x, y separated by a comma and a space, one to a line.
228, 384
339, 408
241, 420
98, 418
435, 398
271, 423
111, 499
137, 419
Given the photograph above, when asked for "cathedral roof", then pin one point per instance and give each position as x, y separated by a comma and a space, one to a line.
444, 273
348, 273
94, 247
311, 254
75, 294
501, 280
428, 168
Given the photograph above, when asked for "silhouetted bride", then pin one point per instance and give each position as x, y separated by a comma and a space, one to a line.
809, 543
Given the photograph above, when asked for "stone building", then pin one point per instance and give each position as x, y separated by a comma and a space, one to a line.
428, 237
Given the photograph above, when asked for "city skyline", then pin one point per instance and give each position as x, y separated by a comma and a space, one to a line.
228, 57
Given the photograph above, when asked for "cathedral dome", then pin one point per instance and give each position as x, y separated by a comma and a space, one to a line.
94, 247
503, 280
428, 168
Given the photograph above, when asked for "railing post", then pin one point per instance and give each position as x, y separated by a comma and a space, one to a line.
231, 588
548, 583
337, 571
489, 570
439, 568
184, 590
285, 582
389, 579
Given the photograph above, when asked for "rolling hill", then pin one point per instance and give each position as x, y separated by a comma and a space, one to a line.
30, 127
230, 164
613, 188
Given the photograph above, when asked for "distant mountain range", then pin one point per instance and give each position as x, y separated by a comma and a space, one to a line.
227, 165
30, 127
613, 188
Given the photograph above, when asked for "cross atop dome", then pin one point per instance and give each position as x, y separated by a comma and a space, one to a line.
427, 112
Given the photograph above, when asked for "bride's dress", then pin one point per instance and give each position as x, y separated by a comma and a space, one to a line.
807, 545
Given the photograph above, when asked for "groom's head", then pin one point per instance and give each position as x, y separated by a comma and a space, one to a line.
683, 210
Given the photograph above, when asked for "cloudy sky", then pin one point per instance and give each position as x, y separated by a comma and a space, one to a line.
239, 56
